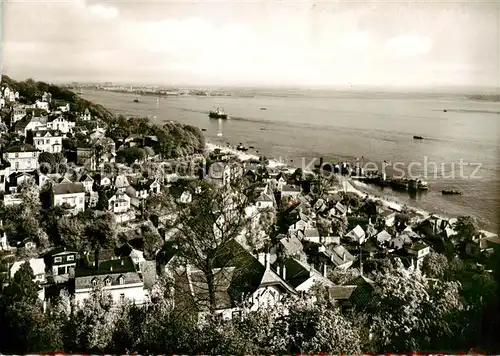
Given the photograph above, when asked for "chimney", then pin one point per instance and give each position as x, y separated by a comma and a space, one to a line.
121, 262
111, 269
324, 270
268, 260
283, 272
344, 257
262, 258
278, 270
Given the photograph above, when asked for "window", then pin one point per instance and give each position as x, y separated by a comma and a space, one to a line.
107, 282
122, 297
2, 179
80, 200
71, 258
94, 282
47, 141
121, 280
57, 259
236, 314
116, 205
17, 165
16, 155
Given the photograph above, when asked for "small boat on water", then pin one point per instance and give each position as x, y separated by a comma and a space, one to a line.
451, 192
263, 108
418, 138
136, 100
203, 129
445, 110
251, 147
217, 113
240, 147
262, 129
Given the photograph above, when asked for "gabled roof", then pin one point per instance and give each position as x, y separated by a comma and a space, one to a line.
47, 133
291, 244
199, 288
290, 188
110, 269
68, 188
21, 148
341, 208
340, 255
86, 178
357, 233
383, 236
341, 292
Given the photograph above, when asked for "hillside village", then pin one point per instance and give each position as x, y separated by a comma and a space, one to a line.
90, 203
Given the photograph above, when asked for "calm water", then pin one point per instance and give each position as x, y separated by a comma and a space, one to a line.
342, 126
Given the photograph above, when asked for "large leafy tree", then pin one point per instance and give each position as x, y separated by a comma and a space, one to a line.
207, 225
414, 313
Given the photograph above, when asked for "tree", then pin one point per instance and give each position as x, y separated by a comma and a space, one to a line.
414, 313
206, 227
324, 226
25, 328
152, 240
435, 265
93, 323
466, 228
100, 231
131, 155
339, 225
47, 162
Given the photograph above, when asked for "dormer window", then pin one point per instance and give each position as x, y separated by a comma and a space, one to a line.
107, 282
121, 280
57, 259
94, 282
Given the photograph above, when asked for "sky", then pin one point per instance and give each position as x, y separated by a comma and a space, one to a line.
275, 42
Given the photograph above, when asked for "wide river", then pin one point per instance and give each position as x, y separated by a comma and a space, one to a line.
460, 149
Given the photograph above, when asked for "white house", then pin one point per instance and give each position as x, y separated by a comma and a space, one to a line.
86, 116
48, 140
419, 250
88, 182
2, 103
6, 92
61, 124
62, 264
22, 158
70, 195
265, 201
37, 265
117, 278
42, 105
47, 97
118, 202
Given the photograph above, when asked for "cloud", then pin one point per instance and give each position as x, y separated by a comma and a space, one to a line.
104, 12
241, 42
408, 46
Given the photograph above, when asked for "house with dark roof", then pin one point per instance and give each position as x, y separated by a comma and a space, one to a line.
86, 116
87, 181
48, 140
247, 283
70, 196
118, 202
61, 263
140, 188
302, 276
22, 158
30, 123
117, 277
290, 190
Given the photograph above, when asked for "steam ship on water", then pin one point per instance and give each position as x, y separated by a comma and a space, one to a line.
217, 113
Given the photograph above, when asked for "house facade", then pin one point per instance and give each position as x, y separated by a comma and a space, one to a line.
63, 264
117, 278
48, 140
22, 158
69, 195
59, 123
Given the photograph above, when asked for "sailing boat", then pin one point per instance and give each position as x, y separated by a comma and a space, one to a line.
157, 102
137, 99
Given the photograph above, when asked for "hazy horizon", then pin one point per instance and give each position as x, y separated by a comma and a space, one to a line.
325, 45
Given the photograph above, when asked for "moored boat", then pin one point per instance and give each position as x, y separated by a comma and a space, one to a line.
240, 147
451, 192
418, 138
